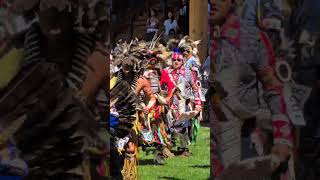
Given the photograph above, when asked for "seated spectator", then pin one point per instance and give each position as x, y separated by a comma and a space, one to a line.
152, 24
170, 25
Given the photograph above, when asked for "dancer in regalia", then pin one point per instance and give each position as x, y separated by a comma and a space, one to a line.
241, 55
48, 105
181, 93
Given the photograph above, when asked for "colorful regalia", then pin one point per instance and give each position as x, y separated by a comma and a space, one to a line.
248, 98
50, 103
193, 69
130, 58
180, 97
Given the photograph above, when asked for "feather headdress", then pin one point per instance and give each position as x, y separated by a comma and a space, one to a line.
172, 44
188, 45
157, 51
133, 54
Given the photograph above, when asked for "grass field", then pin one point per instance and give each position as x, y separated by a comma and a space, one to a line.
196, 167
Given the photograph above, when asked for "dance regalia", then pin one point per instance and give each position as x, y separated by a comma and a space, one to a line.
45, 106
131, 55
157, 113
180, 90
122, 118
193, 70
241, 57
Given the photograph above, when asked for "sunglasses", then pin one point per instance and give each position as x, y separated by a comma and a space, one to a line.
176, 60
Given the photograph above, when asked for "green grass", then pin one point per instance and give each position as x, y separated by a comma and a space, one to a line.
196, 167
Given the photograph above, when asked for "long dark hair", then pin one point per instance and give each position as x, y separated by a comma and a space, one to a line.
172, 17
155, 12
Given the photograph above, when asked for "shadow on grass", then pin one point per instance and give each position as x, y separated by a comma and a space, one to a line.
150, 151
169, 178
175, 152
205, 124
146, 162
201, 166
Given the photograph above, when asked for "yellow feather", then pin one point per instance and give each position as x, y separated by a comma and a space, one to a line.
9, 66
113, 82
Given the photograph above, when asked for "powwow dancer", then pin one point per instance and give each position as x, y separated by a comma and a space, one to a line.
180, 93
70, 65
193, 68
122, 116
158, 119
132, 60
235, 87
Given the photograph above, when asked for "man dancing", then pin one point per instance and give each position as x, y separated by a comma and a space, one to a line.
233, 83
180, 94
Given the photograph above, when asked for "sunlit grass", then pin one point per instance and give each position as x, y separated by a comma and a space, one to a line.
196, 167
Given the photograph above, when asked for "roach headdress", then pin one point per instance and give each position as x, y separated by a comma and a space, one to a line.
188, 45
133, 54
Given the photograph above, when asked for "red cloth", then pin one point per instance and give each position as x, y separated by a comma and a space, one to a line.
165, 79
230, 31
268, 45
282, 130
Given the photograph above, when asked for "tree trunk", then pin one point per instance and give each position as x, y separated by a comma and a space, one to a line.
198, 25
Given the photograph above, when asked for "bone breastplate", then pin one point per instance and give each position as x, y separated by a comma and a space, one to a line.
154, 82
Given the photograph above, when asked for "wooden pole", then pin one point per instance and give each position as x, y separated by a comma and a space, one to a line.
198, 25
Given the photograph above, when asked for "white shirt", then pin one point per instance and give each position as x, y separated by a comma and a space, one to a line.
152, 27
168, 25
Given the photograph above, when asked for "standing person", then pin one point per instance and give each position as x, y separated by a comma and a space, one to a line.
179, 96
158, 124
170, 25
131, 61
184, 17
193, 69
233, 82
121, 122
152, 24
122, 116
